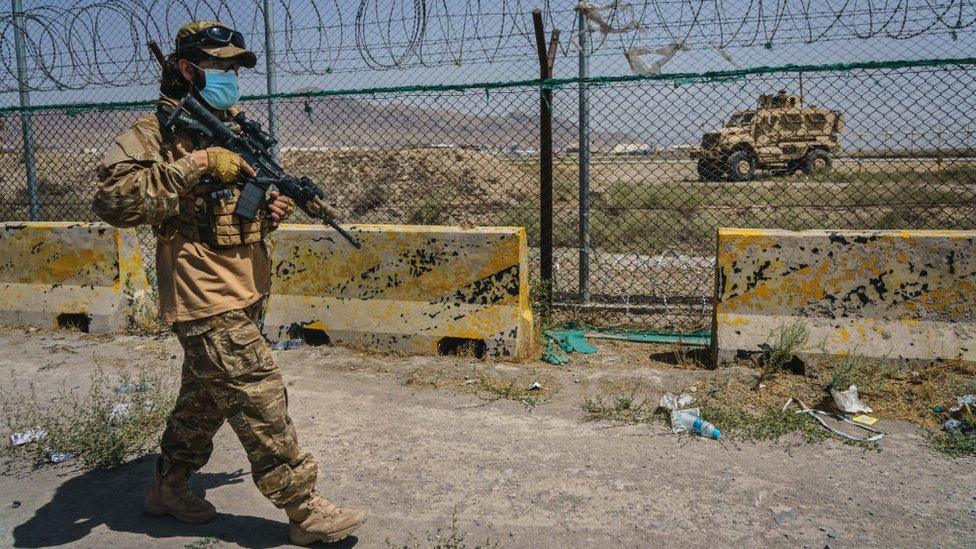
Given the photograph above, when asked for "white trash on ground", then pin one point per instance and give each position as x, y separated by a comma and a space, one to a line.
672, 402
30, 435
60, 457
952, 425
132, 387
122, 412
691, 420
848, 401
964, 401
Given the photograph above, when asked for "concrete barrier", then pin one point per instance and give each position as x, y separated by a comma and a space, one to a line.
414, 289
903, 296
69, 274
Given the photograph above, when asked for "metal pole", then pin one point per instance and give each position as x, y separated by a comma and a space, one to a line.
20, 29
272, 79
584, 162
545, 151
801, 88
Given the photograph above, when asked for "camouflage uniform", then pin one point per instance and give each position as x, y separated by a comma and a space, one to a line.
228, 372
213, 272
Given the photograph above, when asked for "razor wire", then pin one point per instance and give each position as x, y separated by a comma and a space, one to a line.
101, 43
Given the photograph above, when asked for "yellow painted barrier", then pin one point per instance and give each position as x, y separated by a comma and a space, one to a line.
82, 275
414, 289
904, 296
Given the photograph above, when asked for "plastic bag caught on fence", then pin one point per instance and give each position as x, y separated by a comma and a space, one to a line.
726, 55
641, 66
599, 15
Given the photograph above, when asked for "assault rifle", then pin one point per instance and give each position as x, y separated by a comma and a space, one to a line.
254, 146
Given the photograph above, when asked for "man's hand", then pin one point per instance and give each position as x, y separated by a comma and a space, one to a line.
221, 163
279, 206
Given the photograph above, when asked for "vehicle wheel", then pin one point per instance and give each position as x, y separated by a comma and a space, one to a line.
815, 162
709, 170
793, 166
741, 166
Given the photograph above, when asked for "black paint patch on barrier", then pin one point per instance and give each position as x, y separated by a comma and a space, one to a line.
312, 337
407, 265
74, 321
461, 345
489, 290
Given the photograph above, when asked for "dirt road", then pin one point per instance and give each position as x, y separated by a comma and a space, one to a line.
521, 476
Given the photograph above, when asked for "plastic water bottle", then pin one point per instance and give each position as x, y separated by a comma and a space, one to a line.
689, 419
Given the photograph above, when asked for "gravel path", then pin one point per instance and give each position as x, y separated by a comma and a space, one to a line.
521, 476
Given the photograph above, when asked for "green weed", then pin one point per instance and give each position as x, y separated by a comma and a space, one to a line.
487, 384
84, 424
955, 443
771, 424
202, 543
781, 348
451, 538
494, 387
623, 194
868, 375
627, 408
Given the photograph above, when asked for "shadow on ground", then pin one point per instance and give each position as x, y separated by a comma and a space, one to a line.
113, 498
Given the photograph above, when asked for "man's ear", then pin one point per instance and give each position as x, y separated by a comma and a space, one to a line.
191, 73
186, 69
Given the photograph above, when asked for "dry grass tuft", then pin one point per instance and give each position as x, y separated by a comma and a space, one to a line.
626, 401
487, 383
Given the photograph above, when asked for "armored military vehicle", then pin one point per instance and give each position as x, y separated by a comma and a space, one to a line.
782, 135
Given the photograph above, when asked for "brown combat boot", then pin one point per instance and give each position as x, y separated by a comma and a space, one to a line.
315, 519
171, 495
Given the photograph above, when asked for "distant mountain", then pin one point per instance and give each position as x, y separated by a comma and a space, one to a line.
341, 121
346, 121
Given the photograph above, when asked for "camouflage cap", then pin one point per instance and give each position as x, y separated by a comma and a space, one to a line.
245, 57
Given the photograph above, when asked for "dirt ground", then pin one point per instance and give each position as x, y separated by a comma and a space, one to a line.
405, 437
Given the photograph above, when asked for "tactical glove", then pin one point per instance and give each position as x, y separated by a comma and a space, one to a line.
223, 164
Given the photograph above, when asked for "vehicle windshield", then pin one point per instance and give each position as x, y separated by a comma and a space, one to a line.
740, 120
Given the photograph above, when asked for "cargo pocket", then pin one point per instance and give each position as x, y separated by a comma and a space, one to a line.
235, 340
244, 349
274, 483
261, 420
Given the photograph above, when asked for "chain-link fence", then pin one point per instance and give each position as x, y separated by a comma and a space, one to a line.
906, 159
672, 157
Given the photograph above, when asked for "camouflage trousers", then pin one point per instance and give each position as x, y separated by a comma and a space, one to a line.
228, 373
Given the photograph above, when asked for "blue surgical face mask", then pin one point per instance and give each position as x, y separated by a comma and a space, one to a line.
220, 91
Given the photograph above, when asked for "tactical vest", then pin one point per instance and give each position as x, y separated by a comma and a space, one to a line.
207, 214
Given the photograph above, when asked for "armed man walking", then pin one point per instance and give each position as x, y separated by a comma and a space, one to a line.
213, 273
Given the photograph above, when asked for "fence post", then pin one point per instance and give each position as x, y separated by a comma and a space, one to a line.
272, 79
546, 60
17, 11
584, 161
